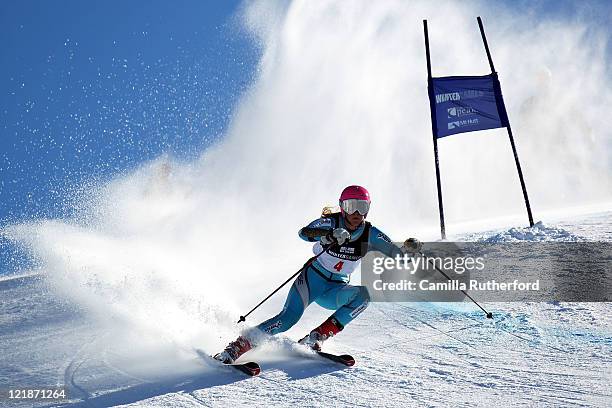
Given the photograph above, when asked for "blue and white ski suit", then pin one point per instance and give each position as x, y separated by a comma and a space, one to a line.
325, 281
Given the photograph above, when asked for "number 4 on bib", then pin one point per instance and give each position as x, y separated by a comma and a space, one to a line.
338, 266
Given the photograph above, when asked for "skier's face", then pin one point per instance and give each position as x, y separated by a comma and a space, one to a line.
354, 220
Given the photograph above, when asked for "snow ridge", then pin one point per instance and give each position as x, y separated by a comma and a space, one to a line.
538, 233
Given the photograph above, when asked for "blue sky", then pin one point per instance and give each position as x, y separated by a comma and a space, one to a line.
91, 89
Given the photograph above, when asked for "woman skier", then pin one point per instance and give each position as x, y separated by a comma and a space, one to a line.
346, 238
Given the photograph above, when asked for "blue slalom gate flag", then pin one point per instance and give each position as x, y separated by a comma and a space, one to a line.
466, 103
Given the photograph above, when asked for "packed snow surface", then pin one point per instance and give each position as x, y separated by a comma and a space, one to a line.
408, 354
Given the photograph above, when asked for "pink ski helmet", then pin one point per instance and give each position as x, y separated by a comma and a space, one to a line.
355, 198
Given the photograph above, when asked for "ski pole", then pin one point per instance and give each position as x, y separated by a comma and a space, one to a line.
304, 267
488, 314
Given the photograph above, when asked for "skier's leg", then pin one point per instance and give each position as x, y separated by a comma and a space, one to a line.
349, 301
308, 287
303, 291
297, 300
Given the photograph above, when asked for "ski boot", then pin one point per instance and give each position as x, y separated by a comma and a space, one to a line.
327, 329
234, 350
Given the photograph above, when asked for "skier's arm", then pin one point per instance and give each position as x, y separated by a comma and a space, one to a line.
316, 229
379, 241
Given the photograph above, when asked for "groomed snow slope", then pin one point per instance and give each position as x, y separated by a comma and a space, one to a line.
544, 354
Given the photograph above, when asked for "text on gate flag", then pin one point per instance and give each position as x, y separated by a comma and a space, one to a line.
466, 104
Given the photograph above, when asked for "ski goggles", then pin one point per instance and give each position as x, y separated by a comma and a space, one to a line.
352, 206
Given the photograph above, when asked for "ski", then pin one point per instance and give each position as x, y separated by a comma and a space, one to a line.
250, 368
345, 359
